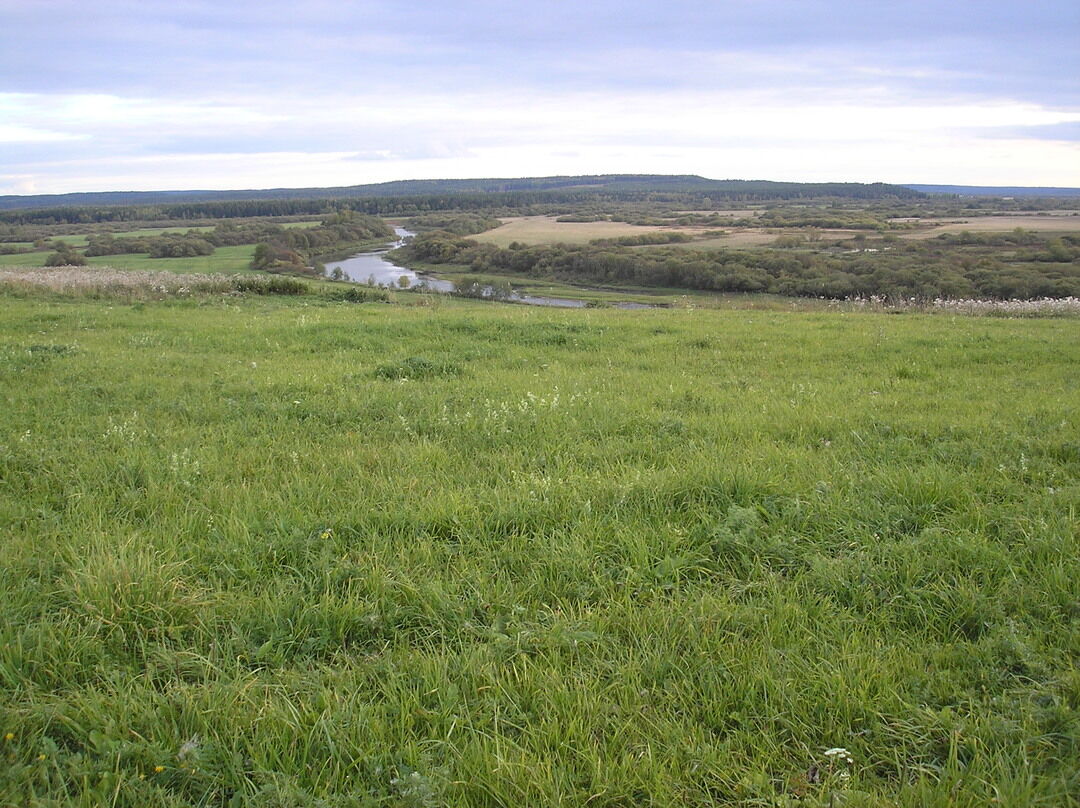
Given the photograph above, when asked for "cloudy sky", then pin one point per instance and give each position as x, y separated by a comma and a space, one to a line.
145, 95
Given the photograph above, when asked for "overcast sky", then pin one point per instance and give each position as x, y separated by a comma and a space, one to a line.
185, 94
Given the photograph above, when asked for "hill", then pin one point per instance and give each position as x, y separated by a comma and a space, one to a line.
603, 184
995, 190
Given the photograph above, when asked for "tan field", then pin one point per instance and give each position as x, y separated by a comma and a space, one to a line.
998, 224
545, 230
736, 238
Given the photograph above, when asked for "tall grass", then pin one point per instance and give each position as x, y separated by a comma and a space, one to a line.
139, 285
291, 551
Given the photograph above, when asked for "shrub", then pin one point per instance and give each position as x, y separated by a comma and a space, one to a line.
270, 286
416, 367
360, 294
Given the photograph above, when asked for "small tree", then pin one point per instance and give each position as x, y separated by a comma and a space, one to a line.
65, 256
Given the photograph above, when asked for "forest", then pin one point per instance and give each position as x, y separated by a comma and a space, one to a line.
945, 267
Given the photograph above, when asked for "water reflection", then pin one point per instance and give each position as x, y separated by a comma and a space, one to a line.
371, 267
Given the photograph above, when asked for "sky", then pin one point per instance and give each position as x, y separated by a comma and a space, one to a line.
100, 95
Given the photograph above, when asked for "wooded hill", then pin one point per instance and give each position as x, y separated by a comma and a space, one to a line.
441, 194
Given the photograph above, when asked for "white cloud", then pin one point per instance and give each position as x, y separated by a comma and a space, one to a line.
295, 141
28, 134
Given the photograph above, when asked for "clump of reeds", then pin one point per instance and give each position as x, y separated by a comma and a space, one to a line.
105, 282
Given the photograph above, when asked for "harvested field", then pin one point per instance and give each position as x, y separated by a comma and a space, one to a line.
545, 230
998, 224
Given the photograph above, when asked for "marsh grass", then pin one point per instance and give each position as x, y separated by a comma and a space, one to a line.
98, 282
267, 550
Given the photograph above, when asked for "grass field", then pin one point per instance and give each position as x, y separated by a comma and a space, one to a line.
285, 552
33, 259
223, 260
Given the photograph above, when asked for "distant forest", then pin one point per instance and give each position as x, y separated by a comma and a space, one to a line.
418, 196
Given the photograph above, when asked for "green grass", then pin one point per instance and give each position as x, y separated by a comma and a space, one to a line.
296, 552
34, 259
224, 260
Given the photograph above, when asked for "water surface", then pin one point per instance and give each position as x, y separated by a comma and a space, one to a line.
371, 267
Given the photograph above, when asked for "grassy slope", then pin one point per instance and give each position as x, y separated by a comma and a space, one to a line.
621, 558
226, 260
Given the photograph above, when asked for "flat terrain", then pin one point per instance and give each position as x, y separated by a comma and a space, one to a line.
223, 259
546, 230
758, 237
290, 551
998, 224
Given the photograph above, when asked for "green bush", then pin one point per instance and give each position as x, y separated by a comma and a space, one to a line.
257, 285
416, 367
361, 294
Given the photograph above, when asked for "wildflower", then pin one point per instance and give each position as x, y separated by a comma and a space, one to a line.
326, 534
159, 769
9, 736
41, 757
189, 748
839, 753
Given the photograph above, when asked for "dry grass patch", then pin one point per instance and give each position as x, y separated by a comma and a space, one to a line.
104, 279
750, 237
545, 230
998, 224
97, 282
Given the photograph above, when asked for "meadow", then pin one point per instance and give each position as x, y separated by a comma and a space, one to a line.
548, 230
290, 551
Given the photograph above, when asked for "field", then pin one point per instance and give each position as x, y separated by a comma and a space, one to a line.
223, 259
998, 224
281, 552
546, 230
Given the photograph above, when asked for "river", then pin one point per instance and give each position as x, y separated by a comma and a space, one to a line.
371, 267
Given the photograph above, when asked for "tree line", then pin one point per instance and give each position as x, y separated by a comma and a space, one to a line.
913, 270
